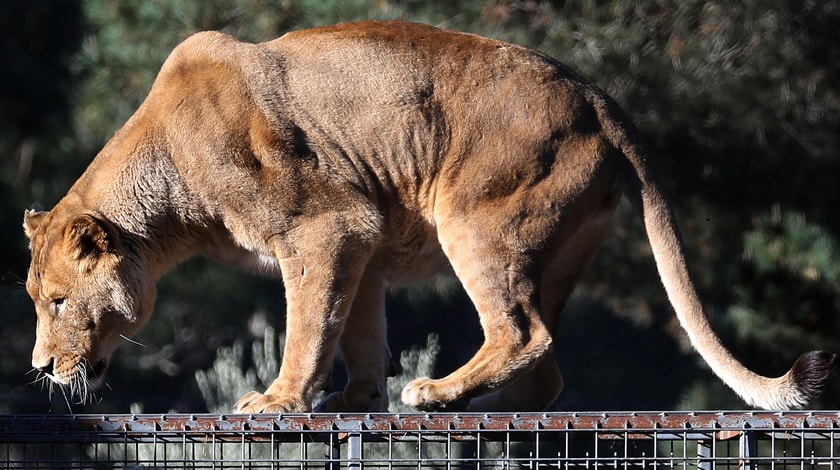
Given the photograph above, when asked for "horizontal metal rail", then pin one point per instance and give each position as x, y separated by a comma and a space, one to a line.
702, 440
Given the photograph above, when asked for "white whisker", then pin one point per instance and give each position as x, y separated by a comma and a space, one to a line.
38, 378
85, 386
75, 382
63, 394
78, 389
132, 341
81, 382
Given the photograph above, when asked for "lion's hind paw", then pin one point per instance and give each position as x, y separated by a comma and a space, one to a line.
427, 394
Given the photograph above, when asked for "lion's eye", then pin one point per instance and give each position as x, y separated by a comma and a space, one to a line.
57, 306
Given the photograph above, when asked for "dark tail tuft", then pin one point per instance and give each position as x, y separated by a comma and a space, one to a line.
810, 372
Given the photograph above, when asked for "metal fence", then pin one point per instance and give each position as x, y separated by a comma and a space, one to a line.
708, 440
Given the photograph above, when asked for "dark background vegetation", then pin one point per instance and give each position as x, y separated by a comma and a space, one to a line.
738, 100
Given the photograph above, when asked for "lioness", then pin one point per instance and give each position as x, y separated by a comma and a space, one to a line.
347, 158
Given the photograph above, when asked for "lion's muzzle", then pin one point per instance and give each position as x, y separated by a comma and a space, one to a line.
73, 374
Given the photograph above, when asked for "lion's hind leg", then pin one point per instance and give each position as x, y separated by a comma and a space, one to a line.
537, 388
499, 282
534, 390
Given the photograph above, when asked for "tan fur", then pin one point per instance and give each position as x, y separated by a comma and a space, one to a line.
345, 159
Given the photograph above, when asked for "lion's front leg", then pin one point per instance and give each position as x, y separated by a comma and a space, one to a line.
321, 281
366, 354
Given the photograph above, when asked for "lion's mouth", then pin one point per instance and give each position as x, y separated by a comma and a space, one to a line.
78, 379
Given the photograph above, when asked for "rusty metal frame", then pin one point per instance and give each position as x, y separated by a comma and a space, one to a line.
701, 440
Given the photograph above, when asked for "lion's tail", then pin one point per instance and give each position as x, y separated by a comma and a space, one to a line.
803, 382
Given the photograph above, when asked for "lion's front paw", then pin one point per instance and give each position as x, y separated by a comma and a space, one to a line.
431, 395
255, 402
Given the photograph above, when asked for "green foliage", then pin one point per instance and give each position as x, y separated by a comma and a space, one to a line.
793, 263
223, 384
229, 378
416, 362
788, 243
789, 306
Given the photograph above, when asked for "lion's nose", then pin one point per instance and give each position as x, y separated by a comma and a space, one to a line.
48, 368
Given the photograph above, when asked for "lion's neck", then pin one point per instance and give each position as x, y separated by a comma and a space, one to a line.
160, 223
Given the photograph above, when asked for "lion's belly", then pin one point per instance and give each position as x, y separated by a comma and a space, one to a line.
410, 256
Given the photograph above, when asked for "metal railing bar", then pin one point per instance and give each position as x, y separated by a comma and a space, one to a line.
707, 440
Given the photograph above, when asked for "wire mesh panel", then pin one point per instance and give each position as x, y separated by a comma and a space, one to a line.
726, 440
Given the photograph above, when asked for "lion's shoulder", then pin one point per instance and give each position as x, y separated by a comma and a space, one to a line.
202, 50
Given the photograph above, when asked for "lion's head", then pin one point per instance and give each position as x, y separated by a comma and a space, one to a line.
87, 294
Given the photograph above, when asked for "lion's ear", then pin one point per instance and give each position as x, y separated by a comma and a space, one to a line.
31, 221
90, 237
